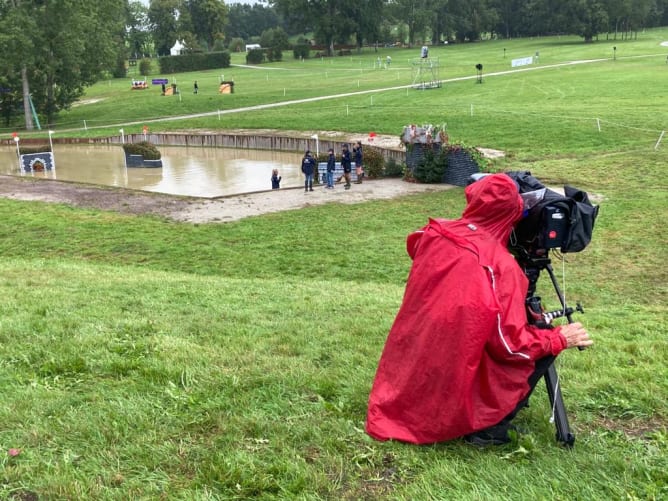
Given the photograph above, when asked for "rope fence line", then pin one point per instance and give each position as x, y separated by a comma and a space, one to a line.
120, 122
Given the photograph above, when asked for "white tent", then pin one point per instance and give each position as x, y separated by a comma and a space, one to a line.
176, 50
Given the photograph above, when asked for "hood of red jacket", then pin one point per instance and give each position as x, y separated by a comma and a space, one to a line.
494, 204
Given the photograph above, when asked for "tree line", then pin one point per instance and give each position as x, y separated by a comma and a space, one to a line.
53, 49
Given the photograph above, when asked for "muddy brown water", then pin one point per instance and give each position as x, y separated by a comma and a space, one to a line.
189, 171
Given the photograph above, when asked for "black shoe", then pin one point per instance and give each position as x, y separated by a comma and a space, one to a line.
494, 435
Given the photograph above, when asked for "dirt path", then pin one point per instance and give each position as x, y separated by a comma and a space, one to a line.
197, 210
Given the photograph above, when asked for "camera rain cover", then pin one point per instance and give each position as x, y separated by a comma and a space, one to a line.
575, 222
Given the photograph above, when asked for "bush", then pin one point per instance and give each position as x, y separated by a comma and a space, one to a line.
431, 167
143, 148
274, 54
393, 169
29, 150
374, 162
255, 56
194, 62
145, 67
301, 51
236, 44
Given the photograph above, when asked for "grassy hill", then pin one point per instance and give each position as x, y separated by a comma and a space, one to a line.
142, 358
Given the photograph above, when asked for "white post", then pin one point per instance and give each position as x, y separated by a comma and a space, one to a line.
317, 144
18, 152
598, 124
656, 146
283, 91
347, 110
218, 114
85, 127
53, 156
471, 110
125, 158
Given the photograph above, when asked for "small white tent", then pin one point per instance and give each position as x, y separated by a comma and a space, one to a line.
176, 50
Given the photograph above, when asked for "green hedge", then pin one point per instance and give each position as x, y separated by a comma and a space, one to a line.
301, 51
143, 148
194, 62
29, 150
255, 56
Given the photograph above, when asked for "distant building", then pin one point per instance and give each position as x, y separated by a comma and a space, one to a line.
252, 46
176, 50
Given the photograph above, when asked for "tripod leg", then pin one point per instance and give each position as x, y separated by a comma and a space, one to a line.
564, 434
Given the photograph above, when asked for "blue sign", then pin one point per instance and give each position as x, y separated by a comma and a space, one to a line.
160, 81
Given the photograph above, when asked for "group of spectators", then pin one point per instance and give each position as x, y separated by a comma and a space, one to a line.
309, 168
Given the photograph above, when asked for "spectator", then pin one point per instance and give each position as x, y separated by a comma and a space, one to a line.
346, 163
308, 168
359, 168
331, 165
275, 180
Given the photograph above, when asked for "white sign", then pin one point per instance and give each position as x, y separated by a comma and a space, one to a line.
523, 61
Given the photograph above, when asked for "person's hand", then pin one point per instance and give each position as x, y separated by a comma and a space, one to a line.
576, 335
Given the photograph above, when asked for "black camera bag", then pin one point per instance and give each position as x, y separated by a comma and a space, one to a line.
565, 221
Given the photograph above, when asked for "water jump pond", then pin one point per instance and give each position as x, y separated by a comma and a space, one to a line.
189, 171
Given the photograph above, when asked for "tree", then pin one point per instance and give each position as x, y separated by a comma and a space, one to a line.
162, 15
137, 27
207, 19
414, 13
59, 47
329, 19
245, 21
586, 18
366, 21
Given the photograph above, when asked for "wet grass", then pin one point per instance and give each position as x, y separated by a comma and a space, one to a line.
142, 358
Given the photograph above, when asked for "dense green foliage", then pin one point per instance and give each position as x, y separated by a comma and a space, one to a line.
147, 150
52, 50
194, 62
142, 358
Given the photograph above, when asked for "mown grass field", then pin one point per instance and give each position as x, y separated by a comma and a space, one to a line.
143, 359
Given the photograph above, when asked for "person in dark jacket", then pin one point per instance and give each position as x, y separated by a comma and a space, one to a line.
308, 168
359, 168
346, 163
275, 180
331, 165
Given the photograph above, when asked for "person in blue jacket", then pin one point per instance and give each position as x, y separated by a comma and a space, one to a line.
359, 168
308, 168
331, 166
346, 163
275, 180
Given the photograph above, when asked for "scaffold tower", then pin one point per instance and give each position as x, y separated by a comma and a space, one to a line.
425, 73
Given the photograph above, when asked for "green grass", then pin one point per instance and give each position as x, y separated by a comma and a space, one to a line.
142, 358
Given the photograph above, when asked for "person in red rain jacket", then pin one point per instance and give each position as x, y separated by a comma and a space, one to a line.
461, 359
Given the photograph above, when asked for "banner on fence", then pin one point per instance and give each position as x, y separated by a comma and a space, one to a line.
522, 61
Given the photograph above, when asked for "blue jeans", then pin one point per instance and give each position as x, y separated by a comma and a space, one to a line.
330, 179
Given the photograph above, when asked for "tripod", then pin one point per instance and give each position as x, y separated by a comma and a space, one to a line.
532, 266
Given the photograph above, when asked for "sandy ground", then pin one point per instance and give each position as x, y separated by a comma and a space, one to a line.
197, 210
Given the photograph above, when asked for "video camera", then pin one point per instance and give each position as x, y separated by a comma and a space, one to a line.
552, 220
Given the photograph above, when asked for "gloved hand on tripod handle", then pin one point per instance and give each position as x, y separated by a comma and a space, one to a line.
576, 335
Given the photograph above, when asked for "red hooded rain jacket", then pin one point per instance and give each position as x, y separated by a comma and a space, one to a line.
460, 351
